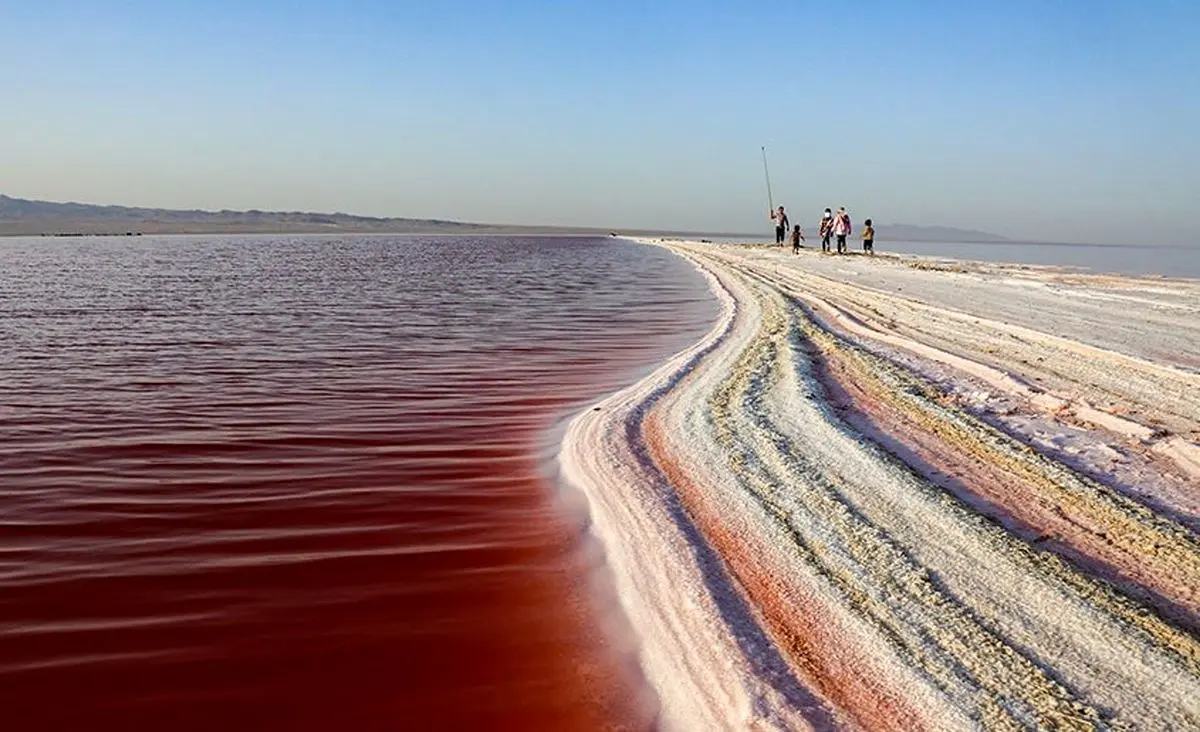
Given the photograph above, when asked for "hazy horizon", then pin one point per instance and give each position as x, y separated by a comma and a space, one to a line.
83, 218
1067, 123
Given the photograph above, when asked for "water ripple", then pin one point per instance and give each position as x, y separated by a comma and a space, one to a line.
298, 482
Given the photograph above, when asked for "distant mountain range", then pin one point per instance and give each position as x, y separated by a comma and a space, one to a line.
19, 216
22, 216
910, 232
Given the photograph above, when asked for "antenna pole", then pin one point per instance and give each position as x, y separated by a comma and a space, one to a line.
767, 175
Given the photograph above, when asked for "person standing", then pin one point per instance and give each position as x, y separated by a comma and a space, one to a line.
826, 229
841, 229
868, 237
781, 225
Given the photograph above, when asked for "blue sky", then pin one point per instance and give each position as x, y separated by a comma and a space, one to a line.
1057, 119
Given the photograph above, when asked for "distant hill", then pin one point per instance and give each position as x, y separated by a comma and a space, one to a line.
910, 232
19, 216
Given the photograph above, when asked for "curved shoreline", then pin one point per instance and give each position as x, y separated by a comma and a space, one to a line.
808, 531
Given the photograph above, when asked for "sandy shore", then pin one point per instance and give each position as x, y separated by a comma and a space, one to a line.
903, 494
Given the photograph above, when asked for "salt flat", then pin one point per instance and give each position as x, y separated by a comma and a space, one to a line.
903, 494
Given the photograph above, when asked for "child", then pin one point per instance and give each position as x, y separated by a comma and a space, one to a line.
797, 237
868, 237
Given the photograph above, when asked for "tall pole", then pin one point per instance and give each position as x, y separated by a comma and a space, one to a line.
767, 175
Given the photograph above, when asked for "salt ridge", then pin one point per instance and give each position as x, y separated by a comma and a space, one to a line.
807, 535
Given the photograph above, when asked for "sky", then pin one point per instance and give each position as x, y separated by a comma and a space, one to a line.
1058, 120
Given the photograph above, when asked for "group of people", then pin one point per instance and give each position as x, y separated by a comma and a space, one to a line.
833, 226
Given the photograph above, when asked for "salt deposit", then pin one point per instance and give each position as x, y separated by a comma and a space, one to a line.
852, 505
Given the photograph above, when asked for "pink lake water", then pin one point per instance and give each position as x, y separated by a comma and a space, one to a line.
308, 483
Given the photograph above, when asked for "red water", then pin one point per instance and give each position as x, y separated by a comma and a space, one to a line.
267, 483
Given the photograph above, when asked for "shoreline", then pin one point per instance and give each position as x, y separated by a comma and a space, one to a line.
908, 258
964, 263
853, 486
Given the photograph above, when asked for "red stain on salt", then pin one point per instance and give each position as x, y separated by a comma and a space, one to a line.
813, 639
1077, 531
